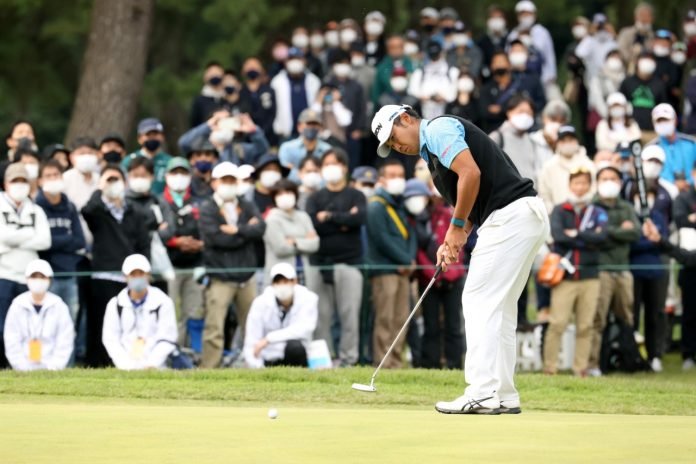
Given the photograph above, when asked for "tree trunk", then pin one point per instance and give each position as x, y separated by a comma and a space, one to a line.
113, 69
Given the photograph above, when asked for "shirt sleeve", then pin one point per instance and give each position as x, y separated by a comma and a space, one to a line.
444, 137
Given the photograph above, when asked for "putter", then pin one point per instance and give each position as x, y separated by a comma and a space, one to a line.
371, 388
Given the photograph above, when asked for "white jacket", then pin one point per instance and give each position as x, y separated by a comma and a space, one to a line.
154, 322
23, 232
283, 124
264, 320
52, 326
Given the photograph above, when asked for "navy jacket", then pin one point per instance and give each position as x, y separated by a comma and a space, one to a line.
66, 234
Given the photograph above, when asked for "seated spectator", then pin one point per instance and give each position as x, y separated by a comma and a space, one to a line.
606, 82
308, 143
338, 213
618, 126
38, 331
396, 59
569, 155
260, 97
290, 236
281, 322
210, 99
151, 140
29, 157
229, 227
644, 91
58, 152
578, 229
680, 149
464, 53
112, 148
556, 113
466, 104
310, 180
202, 156
435, 84
83, 178
24, 231
140, 322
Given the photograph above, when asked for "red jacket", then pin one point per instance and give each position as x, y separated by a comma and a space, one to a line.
439, 224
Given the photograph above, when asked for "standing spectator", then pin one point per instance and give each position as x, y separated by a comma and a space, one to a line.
644, 91
229, 226
279, 54
233, 102
300, 40
496, 92
260, 97
593, 48
118, 228
435, 84
556, 113
495, 38
429, 22
634, 40
268, 172
391, 253
308, 143
466, 104
83, 178
335, 116
396, 58
58, 152
24, 231
202, 156
112, 148
295, 89
281, 322
38, 332
689, 28
338, 213
29, 157
210, 99
398, 95
140, 322
615, 282
464, 53
151, 139
606, 82
20, 130
618, 126
680, 149
310, 180
374, 37
666, 69
363, 72
524, 79
578, 228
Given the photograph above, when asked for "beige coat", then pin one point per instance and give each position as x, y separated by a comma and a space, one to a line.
553, 179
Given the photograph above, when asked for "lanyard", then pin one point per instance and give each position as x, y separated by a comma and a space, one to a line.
34, 333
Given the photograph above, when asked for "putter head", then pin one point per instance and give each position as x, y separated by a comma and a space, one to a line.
364, 388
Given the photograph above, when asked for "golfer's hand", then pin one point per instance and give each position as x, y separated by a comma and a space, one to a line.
260, 345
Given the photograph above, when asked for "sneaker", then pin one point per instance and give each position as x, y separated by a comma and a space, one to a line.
510, 407
688, 364
594, 372
464, 405
656, 365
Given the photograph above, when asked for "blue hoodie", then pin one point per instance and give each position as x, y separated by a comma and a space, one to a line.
66, 233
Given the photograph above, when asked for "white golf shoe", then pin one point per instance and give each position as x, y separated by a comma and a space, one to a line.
510, 407
656, 365
467, 405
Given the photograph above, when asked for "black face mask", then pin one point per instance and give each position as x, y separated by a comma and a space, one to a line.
500, 72
447, 30
230, 89
253, 74
215, 81
434, 55
112, 156
152, 145
428, 28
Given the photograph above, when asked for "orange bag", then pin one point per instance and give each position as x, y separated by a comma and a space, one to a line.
551, 272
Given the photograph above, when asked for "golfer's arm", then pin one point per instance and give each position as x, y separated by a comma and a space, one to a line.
467, 186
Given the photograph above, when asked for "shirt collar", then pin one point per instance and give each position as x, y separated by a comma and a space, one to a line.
421, 138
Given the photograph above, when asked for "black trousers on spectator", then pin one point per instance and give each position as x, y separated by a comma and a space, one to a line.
101, 291
687, 282
447, 296
295, 355
651, 294
9, 290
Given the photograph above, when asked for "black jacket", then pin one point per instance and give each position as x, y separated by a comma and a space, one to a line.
203, 108
223, 251
644, 96
114, 241
184, 223
262, 109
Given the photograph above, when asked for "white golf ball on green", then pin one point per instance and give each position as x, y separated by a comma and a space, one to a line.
272, 413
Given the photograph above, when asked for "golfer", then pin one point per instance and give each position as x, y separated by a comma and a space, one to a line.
479, 180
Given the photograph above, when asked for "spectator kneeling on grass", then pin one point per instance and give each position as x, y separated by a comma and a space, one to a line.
39, 331
281, 322
140, 322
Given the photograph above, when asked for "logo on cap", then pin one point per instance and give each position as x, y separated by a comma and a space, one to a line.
377, 129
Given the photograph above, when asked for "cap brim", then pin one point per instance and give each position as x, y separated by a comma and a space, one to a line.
384, 150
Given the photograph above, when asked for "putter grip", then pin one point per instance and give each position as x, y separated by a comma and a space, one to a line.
438, 271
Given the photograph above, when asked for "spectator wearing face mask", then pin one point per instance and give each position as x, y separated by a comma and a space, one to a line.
412, 48
363, 72
495, 37
615, 281
396, 59
374, 37
306, 144
301, 40
524, 78
279, 55
349, 31
318, 46
466, 104
58, 152
310, 180
230, 226
667, 70
151, 139
464, 53
290, 236
83, 178
260, 97
680, 149
618, 126
594, 47
281, 322
435, 84
398, 95
233, 102
112, 148
429, 26
644, 91
24, 231
38, 332
212, 94
202, 156
268, 171
606, 82
634, 40
295, 89
20, 130
556, 113
29, 157
569, 155
576, 86
689, 31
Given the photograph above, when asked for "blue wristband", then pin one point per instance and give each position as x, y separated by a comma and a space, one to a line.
457, 222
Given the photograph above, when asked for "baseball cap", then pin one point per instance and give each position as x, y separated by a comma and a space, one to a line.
40, 266
525, 6
653, 152
663, 111
365, 174
663, 34
16, 171
383, 123
565, 131
616, 98
270, 158
149, 125
416, 188
245, 171
136, 262
309, 115
225, 169
178, 162
283, 269
429, 12
375, 16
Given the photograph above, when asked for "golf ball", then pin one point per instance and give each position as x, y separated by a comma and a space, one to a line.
272, 413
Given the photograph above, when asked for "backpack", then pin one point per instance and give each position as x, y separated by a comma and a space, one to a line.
620, 352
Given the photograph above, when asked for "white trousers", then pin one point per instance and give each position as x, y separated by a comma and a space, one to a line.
500, 263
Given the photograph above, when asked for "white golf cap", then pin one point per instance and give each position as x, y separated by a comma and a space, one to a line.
663, 111
429, 12
283, 269
375, 16
525, 5
616, 98
135, 262
653, 152
40, 266
383, 123
225, 169
245, 171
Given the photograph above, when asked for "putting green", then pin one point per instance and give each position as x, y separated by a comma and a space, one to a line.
74, 432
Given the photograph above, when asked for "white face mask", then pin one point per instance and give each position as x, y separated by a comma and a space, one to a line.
367, 191
551, 129
460, 40
374, 28
178, 182
221, 136
311, 180
317, 41
665, 128
580, 200
18, 191
53, 186
496, 24
357, 61
114, 190
646, 67
332, 173
579, 31
643, 27
617, 112
269, 178
522, 121
690, 28
396, 186
678, 57
652, 170
342, 69
300, 41
518, 59
38, 286
295, 66
416, 205
410, 49
87, 163
243, 188
227, 192
567, 149
608, 189
332, 38
398, 83
465, 85
285, 201
139, 184
614, 64
32, 171
283, 292
661, 50
526, 21
348, 36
